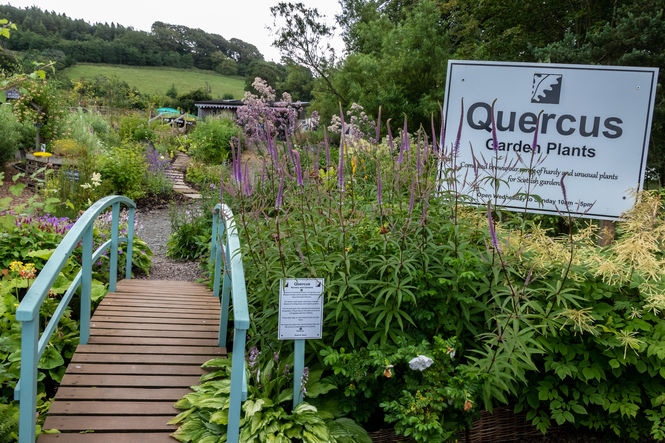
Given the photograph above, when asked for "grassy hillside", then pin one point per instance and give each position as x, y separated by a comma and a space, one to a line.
157, 80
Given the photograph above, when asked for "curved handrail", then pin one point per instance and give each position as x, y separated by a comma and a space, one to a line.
227, 254
32, 345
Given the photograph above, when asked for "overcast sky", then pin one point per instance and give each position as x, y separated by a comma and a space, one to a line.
243, 19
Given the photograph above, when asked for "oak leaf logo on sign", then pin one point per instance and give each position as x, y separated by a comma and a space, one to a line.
546, 88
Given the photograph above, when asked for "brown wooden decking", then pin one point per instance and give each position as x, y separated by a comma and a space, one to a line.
147, 342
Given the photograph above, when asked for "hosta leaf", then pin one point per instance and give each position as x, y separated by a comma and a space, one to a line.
51, 358
345, 430
220, 417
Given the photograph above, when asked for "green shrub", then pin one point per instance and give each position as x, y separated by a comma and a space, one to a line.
40, 103
90, 129
14, 134
211, 139
190, 234
135, 128
10, 134
122, 170
203, 175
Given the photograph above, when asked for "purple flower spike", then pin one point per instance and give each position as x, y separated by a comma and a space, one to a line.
233, 160
495, 242
264, 170
248, 186
280, 192
423, 217
419, 166
563, 189
378, 126
296, 160
379, 185
340, 171
442, 132
412, 196
315, 158
390, 136
325, 141
434, 146
407, 143
495, 140
459, 130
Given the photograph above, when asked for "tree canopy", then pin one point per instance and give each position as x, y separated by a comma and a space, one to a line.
398, 49
166, 45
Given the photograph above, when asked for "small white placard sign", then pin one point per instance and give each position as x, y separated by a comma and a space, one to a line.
594, 128
300, 308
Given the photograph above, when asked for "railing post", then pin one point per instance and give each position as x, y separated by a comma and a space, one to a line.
237, 374
130, 244
225, 297
86, 285
213, 242
113, 271
216, 259
28, 380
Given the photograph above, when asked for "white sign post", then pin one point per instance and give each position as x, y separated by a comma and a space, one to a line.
300, 318
594, 127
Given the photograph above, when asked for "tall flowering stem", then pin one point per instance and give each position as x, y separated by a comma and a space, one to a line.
296, 159
327, 145
490, 221
378, 127
379, 185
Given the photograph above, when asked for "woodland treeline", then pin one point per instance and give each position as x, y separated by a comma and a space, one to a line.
54, 36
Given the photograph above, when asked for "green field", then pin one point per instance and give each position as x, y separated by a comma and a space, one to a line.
157, 80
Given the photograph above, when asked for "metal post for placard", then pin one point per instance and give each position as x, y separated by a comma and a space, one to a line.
300, 318
298, 368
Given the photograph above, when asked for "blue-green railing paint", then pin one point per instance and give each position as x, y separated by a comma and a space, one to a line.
225, 253
32, 345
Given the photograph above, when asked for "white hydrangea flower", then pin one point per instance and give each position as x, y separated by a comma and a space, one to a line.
420, 363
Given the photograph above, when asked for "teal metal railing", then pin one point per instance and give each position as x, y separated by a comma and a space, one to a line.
32, 345
225, 253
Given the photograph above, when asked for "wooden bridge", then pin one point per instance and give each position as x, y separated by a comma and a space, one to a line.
147, 342
144, 345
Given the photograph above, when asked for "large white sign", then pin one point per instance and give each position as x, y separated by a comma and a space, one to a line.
300, 309
594, 127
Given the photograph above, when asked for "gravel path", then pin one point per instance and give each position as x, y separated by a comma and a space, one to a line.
154, 228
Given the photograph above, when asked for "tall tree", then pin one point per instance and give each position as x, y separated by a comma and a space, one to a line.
302, 36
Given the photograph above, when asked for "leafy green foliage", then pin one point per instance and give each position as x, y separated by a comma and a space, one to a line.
190, 235
14, 134
40, 104
122, 169
8, 423
211, 139
266, 414
134, 128
204, 175
530, 307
